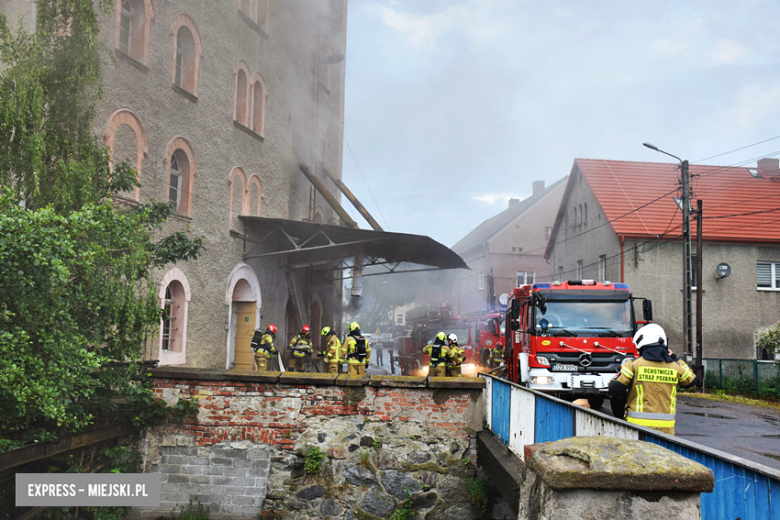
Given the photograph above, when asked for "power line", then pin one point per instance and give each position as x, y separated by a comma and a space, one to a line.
364, 180
738, 149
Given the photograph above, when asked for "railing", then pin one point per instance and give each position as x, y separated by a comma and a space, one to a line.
743, 375
520, 416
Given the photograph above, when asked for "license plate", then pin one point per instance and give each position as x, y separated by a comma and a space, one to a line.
564, 368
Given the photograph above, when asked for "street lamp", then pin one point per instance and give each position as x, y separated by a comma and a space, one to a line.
686, 211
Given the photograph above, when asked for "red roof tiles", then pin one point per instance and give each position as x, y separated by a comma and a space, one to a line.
638, 197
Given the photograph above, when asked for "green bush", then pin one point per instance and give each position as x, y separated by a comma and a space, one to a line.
769, 339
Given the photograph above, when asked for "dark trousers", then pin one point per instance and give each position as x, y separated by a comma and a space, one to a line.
380, 356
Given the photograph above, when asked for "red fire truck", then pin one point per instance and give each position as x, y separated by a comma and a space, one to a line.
490, 330
423, 323
570, 338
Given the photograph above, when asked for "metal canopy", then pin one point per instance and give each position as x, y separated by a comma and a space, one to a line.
305, 244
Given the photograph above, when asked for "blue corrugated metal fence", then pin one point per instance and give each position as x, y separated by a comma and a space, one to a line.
743, 490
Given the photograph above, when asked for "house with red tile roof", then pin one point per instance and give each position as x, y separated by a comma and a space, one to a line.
622, 221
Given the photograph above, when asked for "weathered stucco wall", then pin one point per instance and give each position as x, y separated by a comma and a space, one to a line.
733, 309
244, 453
585, 238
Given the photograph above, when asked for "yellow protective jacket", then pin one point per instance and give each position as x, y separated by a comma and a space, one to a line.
497, 355
455, 355
652, 395
334, 352
264, 347
438, 354
300, 341
353, 354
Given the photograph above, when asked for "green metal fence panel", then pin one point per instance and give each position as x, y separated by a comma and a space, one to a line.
743, 375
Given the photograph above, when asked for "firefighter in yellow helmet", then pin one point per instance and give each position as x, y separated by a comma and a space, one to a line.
438, 352
651, 381
300, 347
334, 352
263, 346
455, 356
358, 351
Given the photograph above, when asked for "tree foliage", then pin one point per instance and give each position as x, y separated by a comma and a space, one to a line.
75, 285
769, 339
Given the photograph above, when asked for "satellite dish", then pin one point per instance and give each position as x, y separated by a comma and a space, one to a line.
503, 299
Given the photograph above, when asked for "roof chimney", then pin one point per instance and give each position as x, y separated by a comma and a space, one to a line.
769, 167
512, 202
538, 186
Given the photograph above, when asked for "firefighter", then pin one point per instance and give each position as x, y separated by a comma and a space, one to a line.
651, 381
300, 347
334, 352
438, 352
455, 356
358, 351
263, 346
497, 355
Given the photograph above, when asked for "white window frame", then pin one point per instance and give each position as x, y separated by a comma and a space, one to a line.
126, 36
774, 270
178, 174
547, 233
525, 276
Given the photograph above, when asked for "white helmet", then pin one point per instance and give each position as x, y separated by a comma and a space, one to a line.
453, 338
650, 335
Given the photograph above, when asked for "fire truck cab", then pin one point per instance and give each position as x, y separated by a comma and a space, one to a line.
570, 338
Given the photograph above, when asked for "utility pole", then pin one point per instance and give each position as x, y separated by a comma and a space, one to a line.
687, 304
699, 368
686, 211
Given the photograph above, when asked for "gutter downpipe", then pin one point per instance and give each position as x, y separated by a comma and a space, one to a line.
622, 258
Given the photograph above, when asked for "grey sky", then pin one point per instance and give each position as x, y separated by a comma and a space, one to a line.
451, 105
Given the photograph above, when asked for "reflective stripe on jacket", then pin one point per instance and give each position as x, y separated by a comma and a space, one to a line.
438, 354
353, 350
335, 353
300, 341
264, 345
652, 396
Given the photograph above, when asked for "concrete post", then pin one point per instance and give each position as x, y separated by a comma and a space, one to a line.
591, 478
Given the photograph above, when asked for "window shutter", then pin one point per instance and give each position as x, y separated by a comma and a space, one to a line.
764, 274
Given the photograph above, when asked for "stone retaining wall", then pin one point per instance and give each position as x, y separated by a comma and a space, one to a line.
385, 439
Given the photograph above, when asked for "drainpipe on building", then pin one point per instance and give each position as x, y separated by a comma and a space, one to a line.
622, 259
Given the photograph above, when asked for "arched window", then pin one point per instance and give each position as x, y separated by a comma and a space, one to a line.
259, 94
255, 196
585, 215
124, 146
133, 20
181, 169
579, 222
187, 53
174, 300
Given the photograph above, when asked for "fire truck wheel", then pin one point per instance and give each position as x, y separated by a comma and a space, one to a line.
596, 402
618, 407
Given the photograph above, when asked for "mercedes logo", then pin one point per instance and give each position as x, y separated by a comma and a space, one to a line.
585, 360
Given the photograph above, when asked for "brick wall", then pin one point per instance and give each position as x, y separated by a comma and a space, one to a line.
249, 439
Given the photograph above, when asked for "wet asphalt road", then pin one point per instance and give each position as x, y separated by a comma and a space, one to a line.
747, 431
